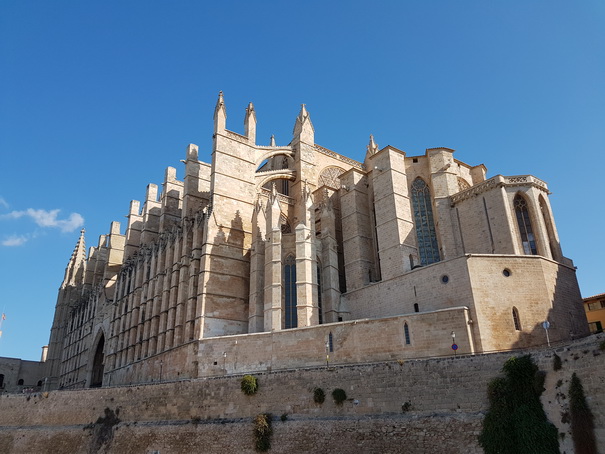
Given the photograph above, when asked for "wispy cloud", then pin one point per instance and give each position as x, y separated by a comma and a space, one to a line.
3, 203
14, 240
45, 218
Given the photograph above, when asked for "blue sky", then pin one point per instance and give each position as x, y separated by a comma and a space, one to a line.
98, 98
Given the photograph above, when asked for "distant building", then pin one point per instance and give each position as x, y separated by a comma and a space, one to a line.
275, 256
595, 312
17, 375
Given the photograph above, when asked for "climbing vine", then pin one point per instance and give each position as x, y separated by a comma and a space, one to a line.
515, 421
582, 419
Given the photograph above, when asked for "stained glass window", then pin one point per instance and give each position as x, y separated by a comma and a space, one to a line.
291, 319
319, 290
527, 235
516, 319
428, 248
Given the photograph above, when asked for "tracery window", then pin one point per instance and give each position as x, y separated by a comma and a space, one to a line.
428, 248
406, 332
525, 229
291, 319
319, 291
516, 319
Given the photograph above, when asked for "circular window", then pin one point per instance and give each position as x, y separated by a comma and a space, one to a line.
506, 272
445, 279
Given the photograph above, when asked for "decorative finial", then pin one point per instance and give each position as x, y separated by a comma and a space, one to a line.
272, 141
372, 147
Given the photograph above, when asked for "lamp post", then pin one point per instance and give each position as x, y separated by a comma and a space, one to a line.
454, 346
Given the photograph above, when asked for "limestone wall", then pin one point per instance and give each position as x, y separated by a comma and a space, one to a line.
447, 398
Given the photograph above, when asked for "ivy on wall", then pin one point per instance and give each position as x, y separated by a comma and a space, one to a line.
515, 421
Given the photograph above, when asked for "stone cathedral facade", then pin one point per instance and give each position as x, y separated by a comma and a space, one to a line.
287, 256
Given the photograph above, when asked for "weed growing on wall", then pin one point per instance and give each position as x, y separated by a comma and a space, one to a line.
582, 419
515, 421
262, 432
249, 385
556, 363
339, 396
319, 396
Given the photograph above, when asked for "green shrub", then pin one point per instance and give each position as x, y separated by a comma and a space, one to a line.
407, 406
284, 417
582, 419
249, 385
339, 396
262, 432
515, 421
602, 345
319, 396
556, 363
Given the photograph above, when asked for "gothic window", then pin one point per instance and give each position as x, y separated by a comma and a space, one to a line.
428, 248
291, 319
516, 319
525, 228
20, 382
319, 291
330, 342
406, 332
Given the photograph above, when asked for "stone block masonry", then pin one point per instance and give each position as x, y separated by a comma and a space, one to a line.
417, 406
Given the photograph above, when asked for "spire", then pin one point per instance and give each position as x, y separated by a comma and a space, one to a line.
303, 127
220, 114
250, 123
372, 146
272, 141
76, 262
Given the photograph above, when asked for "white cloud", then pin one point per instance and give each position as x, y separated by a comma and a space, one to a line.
14, 240
3, 203
46, 218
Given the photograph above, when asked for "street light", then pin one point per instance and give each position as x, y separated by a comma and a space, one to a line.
454, 346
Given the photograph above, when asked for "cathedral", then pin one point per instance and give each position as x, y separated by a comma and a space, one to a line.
277, 257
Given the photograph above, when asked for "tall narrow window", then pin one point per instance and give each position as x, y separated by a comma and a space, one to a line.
406, 332
428, 248
416, 308
291, 319
330, 342
516, 319
319, 291
527, 234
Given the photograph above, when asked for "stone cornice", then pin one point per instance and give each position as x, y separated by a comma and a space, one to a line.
497, 182
340, 157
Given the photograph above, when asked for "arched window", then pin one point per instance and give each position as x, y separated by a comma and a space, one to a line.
319, 291
428, 248
406, 333
525, 229
291, 319
516, 319
20, 382
96, 379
